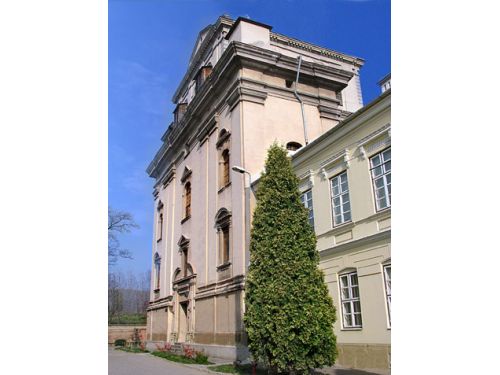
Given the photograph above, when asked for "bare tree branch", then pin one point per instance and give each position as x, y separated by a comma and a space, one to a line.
119, 222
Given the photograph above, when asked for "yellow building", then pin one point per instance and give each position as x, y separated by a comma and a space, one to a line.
345, 183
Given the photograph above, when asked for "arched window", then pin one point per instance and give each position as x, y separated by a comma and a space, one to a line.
187, 200
293, 146
224, 170
157, 262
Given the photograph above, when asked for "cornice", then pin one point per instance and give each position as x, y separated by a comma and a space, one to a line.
224, 286
291, 42
198, 57
356, 243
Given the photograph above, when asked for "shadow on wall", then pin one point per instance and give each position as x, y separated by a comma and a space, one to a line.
346, 371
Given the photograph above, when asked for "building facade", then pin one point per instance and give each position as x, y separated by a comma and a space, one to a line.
345, 181
245, 87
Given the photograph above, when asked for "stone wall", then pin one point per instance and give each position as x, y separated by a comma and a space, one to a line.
125, 332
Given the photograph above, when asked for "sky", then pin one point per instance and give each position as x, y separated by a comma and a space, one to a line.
149, 45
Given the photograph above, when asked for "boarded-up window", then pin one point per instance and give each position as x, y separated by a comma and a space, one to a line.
202, 76
187, 200
225, 245
225, 175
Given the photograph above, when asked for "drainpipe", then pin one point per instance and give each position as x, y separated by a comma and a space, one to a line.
300, 101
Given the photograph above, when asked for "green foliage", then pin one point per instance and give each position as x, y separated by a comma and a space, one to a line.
202, 360
289, 314
133, 350
120, 342
237, 369
128, 319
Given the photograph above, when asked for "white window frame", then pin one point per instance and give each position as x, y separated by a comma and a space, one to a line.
387, 284
383, 177
349, 299
308, 203
343, 197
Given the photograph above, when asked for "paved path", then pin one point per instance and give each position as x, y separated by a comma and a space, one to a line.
123, 363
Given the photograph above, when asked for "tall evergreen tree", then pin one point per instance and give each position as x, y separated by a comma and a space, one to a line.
289, 313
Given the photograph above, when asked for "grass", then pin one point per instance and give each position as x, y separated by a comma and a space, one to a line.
128, 319
239, 369
199, 360
132, 350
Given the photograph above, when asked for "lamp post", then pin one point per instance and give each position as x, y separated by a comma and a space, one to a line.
242, 170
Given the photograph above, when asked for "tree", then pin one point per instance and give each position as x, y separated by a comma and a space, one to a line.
118, 222
115, 297
289, 313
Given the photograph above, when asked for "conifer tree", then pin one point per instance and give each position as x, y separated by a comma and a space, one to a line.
289, 313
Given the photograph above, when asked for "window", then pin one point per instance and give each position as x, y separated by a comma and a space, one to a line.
202, 76
293, 146
224, 176
349, 295
179, 112
387, 279
160, 226
380, 165
307, 201
185, 253
225, 244
187, 200
157, 262
341, 204
223, 225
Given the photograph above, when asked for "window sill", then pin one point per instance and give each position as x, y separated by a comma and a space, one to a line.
345, 224
352, 329
223, 266
382, 210
185, 219
224, 187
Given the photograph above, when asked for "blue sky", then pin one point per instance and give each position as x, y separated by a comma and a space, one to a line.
150, 42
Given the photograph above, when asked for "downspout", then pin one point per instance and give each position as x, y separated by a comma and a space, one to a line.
300, 101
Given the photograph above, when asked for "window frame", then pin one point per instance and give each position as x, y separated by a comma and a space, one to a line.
350, 301
340, 195
187, 200
309, 208
225, 173
383, 176
387, 290
157, 268
224, 236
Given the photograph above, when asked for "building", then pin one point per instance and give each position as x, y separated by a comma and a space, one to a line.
345, 181
245, 87
385, 83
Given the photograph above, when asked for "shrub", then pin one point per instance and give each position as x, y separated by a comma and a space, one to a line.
165, 348
120, 342
189, 352
201, 358
289, 313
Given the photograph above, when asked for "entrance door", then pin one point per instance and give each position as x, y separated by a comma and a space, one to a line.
183, 321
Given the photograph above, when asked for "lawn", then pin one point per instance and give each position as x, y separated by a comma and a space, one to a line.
239, 369
198, 360
132, 350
